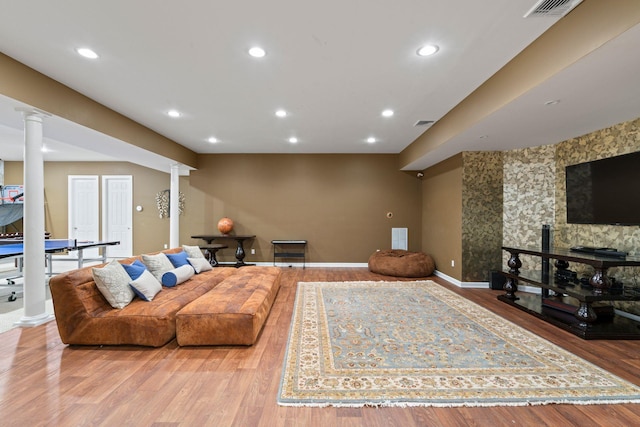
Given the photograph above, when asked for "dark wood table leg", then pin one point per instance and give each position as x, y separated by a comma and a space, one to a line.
211, 255
511, 285
240, 253
600, 281
585, 314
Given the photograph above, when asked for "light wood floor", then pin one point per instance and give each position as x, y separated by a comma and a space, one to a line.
45, 383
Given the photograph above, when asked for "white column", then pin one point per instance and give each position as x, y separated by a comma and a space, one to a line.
174, 214
33, 223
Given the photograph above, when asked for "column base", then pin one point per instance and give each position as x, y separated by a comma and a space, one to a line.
32, 321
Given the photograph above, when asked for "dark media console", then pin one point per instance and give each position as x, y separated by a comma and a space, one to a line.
582, 307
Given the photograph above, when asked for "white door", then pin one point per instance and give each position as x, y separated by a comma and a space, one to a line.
83, 210
117, 219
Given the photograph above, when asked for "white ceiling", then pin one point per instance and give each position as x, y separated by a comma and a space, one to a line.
333, 65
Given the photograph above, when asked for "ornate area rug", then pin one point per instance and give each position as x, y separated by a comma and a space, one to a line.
418, 344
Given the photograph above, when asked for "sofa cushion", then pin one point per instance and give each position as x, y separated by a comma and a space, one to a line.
178, 259
200, 265
113, 282
193, 251
146, 286
177, 275
135, 269
232, 313
158, 264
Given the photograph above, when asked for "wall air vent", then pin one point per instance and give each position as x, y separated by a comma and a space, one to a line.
423, 123
552, 8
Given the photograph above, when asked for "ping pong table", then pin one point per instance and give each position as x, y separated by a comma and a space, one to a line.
14, 249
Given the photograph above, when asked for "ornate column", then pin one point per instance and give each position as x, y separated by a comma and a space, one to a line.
174, 211
34, 256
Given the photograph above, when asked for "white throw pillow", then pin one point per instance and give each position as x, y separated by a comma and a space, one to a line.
177, 275
193, 251
146, 286
200, 264
157, 264
113, 282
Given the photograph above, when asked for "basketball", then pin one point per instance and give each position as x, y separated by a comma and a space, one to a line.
225, 225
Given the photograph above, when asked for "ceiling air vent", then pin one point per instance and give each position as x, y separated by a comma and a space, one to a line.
423, 123
553, 8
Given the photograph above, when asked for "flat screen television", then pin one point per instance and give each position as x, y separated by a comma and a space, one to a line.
605, 191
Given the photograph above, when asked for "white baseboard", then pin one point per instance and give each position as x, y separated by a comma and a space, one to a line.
312, 264
458, 283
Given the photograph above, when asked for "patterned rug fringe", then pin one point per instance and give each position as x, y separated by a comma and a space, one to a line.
454, 405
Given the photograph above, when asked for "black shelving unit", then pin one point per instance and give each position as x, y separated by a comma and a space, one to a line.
287, 249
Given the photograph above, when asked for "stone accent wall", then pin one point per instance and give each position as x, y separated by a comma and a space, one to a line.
481, 214
616, 140
529, 199
534, 194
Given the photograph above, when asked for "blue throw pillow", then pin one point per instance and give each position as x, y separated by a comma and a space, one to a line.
135, 269
177, 275
178, 259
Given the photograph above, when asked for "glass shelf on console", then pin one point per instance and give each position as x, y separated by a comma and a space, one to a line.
567, 254
575, 290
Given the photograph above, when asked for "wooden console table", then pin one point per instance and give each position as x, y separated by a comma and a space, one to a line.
281, 249
582, 309
239, 240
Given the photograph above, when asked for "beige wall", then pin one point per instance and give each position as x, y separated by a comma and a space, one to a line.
442, 215
337, 202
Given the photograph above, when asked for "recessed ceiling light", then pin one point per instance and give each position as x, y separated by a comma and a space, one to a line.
257, 52
87, 53
173, 113
212, 139
281, 113
293, 140
553, 102
427, 50
387, 113
371, 140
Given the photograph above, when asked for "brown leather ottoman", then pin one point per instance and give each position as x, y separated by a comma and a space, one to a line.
233, 312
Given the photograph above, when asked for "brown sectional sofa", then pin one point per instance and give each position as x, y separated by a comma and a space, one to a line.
224, 306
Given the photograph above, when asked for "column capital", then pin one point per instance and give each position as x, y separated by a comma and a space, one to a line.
33, 113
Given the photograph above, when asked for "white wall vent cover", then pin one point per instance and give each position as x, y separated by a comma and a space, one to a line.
423, 122
400, 238
553, 8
